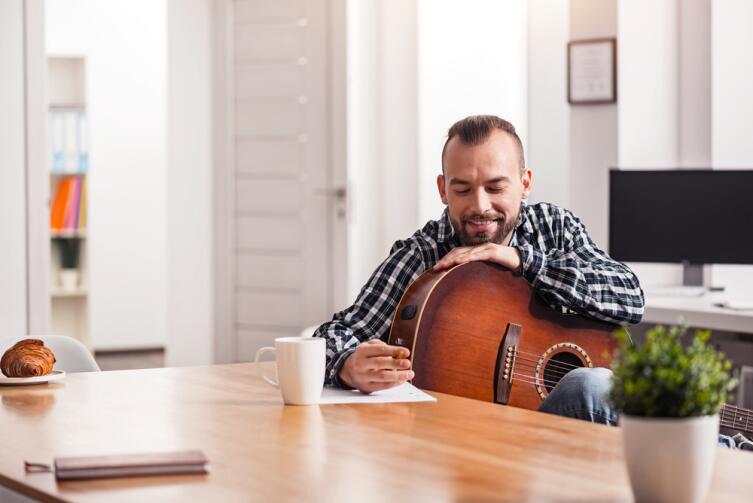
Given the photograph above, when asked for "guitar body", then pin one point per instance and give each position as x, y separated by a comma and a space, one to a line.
479, 331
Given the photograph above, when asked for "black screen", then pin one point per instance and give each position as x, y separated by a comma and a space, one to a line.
699, 216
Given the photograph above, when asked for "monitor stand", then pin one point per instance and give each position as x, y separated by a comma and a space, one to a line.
692, 274
692, 283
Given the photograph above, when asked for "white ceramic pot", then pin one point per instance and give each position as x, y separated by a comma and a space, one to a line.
69, 279
670, 459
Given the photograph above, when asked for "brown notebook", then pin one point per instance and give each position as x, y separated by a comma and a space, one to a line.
131, 465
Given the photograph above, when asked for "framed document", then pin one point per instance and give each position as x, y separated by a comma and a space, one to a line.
592, 71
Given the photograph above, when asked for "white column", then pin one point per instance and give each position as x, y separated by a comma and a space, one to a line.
732, 109
37, 177
694, 111
548, 111
472, 60
593, 128
190, 338
648, 84
12, 171
732, 82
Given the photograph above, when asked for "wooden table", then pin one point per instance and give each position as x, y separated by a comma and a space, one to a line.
452, 450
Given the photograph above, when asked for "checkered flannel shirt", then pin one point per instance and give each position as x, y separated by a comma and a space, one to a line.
558, 259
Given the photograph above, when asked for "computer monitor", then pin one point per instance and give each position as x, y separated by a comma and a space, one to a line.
693, 217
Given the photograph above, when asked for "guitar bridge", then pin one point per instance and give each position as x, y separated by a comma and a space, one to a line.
505, 367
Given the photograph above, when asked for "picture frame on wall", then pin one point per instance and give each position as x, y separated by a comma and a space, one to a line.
592, 71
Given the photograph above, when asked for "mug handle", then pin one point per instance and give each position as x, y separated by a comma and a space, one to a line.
259, 371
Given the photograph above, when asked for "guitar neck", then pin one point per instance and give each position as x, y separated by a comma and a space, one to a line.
737, 418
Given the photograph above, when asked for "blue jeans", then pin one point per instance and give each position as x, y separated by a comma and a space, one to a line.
584, 394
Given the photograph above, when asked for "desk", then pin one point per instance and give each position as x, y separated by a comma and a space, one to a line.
697, 312
452, 450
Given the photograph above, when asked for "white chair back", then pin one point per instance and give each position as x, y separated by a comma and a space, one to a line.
308, 331
70, 354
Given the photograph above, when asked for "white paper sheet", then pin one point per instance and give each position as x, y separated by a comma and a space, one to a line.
406, 392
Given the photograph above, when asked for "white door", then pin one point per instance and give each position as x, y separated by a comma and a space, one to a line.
285, 205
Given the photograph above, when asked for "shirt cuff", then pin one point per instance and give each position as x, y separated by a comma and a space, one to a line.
337, 366
532, 261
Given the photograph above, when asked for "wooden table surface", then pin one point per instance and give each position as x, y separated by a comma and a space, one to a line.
452, 450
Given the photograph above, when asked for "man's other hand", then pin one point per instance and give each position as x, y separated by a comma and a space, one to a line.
374, 366
506, 256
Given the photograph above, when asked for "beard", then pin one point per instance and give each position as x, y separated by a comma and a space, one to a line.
503, 228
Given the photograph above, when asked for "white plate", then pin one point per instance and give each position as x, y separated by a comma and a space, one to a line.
55, 375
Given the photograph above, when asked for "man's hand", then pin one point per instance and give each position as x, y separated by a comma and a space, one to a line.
374, 365
506, 256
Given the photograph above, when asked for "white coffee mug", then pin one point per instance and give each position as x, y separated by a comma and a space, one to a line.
300, 368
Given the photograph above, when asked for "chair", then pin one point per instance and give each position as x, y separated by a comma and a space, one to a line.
70, 354
308, 331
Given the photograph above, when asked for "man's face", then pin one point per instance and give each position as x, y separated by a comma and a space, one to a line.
483, 188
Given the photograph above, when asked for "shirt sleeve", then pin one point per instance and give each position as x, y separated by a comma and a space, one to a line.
370, 316
578, 275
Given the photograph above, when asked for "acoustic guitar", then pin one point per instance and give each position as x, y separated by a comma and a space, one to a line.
479, 331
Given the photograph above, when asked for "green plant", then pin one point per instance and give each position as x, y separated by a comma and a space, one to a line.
663, 378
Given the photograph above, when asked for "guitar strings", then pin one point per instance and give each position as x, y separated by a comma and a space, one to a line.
739, 409
525, 381
731, 416
551, 364
532, 380
537, 357
551, 373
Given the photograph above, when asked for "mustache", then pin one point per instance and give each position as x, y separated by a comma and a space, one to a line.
480, 217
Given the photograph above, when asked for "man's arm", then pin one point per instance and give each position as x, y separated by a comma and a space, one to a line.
370, 316
582, 277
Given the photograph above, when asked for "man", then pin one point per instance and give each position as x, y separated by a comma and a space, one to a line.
484, 184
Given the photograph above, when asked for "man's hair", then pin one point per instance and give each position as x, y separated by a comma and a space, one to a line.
475, 129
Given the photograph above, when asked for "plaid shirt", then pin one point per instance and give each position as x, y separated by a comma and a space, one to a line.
558, 259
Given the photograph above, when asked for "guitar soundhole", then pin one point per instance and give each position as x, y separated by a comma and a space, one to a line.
559, 365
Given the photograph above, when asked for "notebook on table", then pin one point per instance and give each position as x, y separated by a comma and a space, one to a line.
131, 465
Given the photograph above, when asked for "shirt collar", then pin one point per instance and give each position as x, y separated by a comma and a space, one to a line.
446, 232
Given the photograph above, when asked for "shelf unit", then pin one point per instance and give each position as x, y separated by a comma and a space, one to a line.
69, 296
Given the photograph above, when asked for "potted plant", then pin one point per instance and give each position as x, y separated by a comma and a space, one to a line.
69, 259
669, 396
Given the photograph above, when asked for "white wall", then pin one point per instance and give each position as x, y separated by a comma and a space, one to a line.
694, 77
732, 108
648, 84
472, 59
732, 81
593, 128
414, 68
12, 171
548, 150
365, 242
383, 132
189, 183
125, 48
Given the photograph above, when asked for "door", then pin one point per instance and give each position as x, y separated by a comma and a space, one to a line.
285, 205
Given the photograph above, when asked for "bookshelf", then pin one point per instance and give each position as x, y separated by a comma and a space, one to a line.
68, 165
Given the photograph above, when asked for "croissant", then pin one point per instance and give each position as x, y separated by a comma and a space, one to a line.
27, 358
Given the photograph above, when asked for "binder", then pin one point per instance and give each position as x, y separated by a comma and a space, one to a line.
71, 207
82, 136
82, 206
71, 147
57, 213
57, 142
